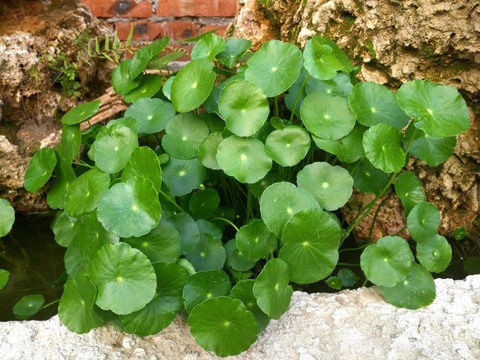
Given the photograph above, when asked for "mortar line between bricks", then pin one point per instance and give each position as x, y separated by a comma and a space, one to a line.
155, 19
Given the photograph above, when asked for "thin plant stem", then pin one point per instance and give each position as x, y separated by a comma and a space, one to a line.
227, 221
171, 201
355, 249
399, 231
298, 98
376, 215
82, 163
49, 304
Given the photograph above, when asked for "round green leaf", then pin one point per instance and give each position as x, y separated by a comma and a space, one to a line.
122, 82
152, 114
336, 51
369, 179
113, 151
417, 290
234, 47
205, 285
7, 217
423, 222
244, 107
149, 85
145, 55
124, 277
207, 151
280, 201
243, 158
223, 325
166, 303
374, 104
319, 59
435, 254
81, 112
70, 142
255, 241
64, 176
271, 288
288, 146
207, 227
184, 133
85, 192
382, 147
64, 229
183, 176
243, 291
339, 85
311, 239
438, 109
409, 189
76, 307
349, 278
327, 116
188, 229
331, 186
128, 122
235, 258
387, 262
274, 67
203, 204
167, 87
434, 151
208, 47
40, 169
4, 275
334, 282
131, 208
144, 162
347, 149
208, 254
28, 306
162, 244
192, 85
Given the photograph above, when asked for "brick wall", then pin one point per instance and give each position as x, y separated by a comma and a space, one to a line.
177, 19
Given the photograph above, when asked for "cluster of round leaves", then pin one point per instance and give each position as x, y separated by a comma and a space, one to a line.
135, 258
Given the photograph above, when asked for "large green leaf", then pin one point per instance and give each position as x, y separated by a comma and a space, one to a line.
183, 176
152, 115
255, 241
327, 116
208, 254
28, 306
243, 291
64, 228
235, 258
76, 307
382, 148
208, 47
7, 217
131, 208
40, 169
113, 151
274, 67
435, 254
203, 204
144, 162
387, 262
166, 303
192, 85
86, 191
205, 285
188, 229
234, 48
162, 244
339, 85
223, 325
438, 109
374, 104
288, 146
311, 239
124, 277
271, 288
368, 178
70, 142
122, 82
243, 158
347, 149
417, 290
409, 189
280, 201
145, 55
81, 112
64, 176
148, 87
423, 221
331, 186
184, 133
320, 60
207, 151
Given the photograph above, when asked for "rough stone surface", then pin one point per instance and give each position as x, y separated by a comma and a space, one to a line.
394, 41
355, 324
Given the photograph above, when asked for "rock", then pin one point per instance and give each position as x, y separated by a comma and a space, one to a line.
393, 42
352, 324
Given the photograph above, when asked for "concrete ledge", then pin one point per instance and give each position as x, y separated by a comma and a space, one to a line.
356, 324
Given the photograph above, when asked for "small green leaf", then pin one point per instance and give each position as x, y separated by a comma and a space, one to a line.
167, 87
409, 189
423, 222
382, 148
205, 285
188, 229
320, 60
28, 306
4, 275
64, 176
289, 146
348, 149
207, 227
255, 241
183, 176
70, 143
81, 112
234, 48
349, 278
124, 277
64, 228
7, 217
128, 122
207, 151
203, 204
208, 254
152, 115
460, 233
208, 47
415, 291
235, 259
122, 82
334, 282
271, 288
149, 85
339, 85
243, 291
223, 325
387, 262
145, 55
369, 179
40, 169
144, 162
435, 254
184, 133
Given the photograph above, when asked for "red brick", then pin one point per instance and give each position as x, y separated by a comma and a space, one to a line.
221, 29
179, 30
119, 8
146, 30
180, 8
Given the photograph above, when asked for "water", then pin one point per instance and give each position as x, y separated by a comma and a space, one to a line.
35, 262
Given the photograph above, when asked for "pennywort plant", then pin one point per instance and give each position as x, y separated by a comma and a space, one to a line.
219, 188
